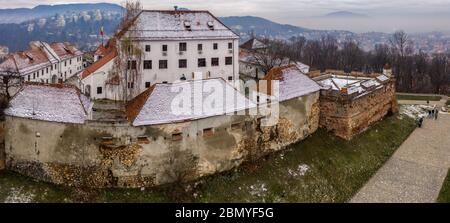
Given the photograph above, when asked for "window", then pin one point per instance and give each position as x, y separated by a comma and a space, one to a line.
202, 62
163, 64
34, 76
182, 63
42, 72
208, 132
215, 46
164, 48
99, 90
200, 47
147, 84
65, 63
214, 62
70, 62
143, 140
147, 64
55, 66
183, 46
177, 137
147, 48
28, 77
228, 60
46, 70
236, 126
132, 65
230, 78
230, 46
130, 85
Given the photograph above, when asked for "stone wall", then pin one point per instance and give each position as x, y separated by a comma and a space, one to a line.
119, 155
348, 116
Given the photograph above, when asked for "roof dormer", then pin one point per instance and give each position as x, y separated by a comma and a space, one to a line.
210, 25
188, 25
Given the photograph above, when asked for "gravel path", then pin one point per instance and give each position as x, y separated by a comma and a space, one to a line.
416, 171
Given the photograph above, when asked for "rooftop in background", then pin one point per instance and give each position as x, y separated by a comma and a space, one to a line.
50, 102
293, 82
180, 24
253, 44
161, 103
107, 54
39, 56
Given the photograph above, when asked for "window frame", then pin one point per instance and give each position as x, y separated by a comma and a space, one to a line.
228, 60
215, 62
146, 63
180, 64
201, 62
162, 62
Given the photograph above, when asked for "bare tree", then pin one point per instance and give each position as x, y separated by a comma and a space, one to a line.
274, 55
379, 57
440, 72
351, 55
10, 80
127, 68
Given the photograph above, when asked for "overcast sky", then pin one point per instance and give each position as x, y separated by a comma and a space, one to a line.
303, 12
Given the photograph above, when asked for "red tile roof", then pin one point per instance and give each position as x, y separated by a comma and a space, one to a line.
37, 57
134, 107
100, 63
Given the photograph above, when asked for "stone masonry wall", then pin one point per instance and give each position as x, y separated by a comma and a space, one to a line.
120, 155
347, 117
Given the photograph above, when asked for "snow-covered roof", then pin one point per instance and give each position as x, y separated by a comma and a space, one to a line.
293, 83
184, 101
48, 102
351, 84
180, 24
253, 44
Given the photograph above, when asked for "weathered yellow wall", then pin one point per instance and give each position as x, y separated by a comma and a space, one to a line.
79, 155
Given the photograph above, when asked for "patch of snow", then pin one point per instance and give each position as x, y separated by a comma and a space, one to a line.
17, 195
258, 190
300, 171
415, 111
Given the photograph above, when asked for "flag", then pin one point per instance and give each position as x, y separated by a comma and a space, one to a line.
102, 32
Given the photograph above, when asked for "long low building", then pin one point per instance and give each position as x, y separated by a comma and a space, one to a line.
166, 136
45, 63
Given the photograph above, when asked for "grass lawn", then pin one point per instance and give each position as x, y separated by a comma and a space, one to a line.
322, 168
444, 195
418, 97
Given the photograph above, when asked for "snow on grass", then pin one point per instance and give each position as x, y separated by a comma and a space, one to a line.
18, 195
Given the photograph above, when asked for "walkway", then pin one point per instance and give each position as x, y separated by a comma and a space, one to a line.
416, 171
413, 102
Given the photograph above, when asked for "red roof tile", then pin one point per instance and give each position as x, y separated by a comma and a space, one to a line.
100, 63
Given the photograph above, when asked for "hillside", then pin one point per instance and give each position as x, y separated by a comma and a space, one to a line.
80, 28
245, 25
24, 14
